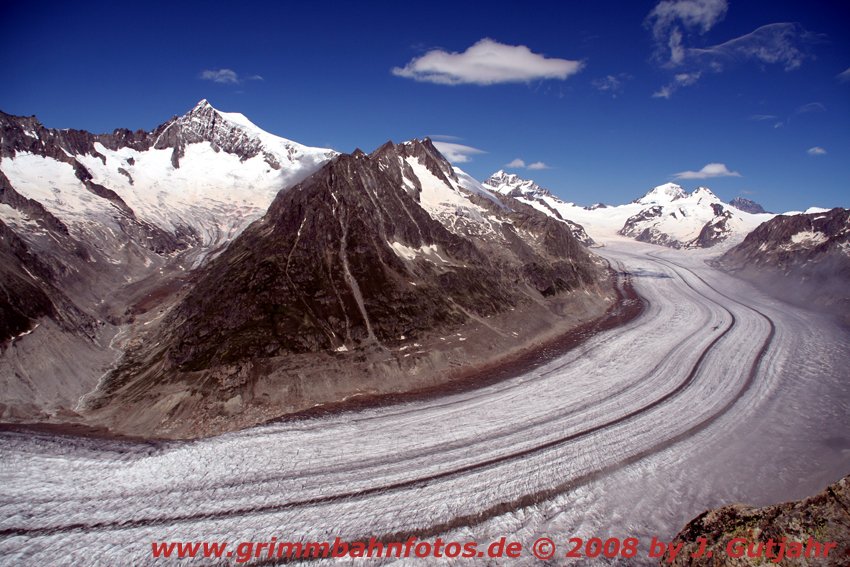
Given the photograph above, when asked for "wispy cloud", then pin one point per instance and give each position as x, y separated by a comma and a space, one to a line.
445, 137
710, 170
519, 163
679, 80
811, 107
783, 44
487, 62
816, 151
844, 76
612, 84
457, 153
670, 19
227, 76
675, 23
807, 108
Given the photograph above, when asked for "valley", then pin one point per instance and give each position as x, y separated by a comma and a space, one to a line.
696, 408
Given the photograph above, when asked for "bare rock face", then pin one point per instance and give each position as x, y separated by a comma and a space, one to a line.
351, 272
728, 531
805, 259
747, 205
205, 124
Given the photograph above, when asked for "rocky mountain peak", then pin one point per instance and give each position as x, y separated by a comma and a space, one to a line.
747, 205
230, 132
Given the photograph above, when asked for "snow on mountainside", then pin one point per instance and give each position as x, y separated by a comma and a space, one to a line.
528, 192
672, 217
803, 258
379, 273
666, 193
97, 230
207, 173
666, 215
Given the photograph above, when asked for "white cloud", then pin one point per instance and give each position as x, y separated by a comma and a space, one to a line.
677, 52
844, 76
780, 43
761, 117
670, 17
710, 170
227, 76
457, 153
519, 163
702, 14
487, 62
679, 80
816, 151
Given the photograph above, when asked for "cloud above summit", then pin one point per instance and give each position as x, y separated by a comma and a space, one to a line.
457, 153
487, 62
710, 170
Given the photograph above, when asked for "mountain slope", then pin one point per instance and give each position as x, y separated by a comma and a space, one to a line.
378, 273
97, 229
527, 191
747, 205
804, 259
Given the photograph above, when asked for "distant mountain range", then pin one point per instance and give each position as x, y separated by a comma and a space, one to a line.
209, 275
665, 215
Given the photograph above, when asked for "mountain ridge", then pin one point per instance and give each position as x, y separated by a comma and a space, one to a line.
403, 276
666, 215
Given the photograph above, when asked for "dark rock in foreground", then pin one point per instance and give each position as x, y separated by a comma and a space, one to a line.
822, 519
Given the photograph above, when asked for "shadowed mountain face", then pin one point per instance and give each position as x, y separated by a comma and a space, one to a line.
352, 271
804, 259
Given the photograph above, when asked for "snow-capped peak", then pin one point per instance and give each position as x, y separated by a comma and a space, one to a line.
202, 104
513, 185
704, 193
662, 194
233, 133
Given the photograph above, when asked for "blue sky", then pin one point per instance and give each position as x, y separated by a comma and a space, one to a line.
612, 97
